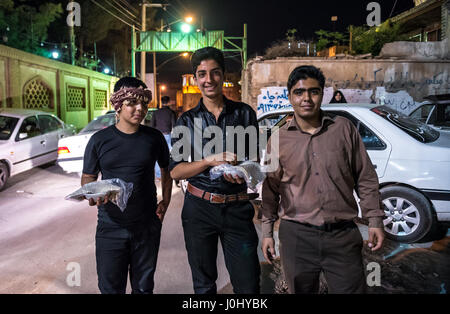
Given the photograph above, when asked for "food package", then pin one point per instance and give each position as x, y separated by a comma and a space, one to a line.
118, 190
250, 171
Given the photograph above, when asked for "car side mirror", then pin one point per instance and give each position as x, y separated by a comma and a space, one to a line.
23, 135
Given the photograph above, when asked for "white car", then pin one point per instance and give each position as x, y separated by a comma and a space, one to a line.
411, 159
28, 138
435, 112
71, 149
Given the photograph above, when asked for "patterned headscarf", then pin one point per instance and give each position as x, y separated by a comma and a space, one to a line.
130, 93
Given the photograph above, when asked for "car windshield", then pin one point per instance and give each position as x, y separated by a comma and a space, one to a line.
410, 126
7, 125
99, 123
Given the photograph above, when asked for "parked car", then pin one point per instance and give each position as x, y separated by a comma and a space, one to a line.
28, 138
434, 111
71, 149
412, 162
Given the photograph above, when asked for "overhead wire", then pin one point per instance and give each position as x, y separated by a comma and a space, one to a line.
126, 3
124, 15
125, 9
99, 5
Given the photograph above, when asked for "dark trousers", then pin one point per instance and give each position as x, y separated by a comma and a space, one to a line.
119, 250
305, 252
203, 224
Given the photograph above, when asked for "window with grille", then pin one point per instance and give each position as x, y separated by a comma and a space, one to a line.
37, 95
76, 99
100, 99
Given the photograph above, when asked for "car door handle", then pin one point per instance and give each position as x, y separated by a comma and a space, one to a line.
43, 142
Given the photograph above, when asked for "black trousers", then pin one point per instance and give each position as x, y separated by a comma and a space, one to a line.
119, 250
305, 252
203, 224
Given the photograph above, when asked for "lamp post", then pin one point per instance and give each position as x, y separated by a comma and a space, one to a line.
144, 28
162, 88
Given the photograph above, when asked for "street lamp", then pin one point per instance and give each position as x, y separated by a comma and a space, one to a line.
55, 54
161, 89
186, 28
184, 55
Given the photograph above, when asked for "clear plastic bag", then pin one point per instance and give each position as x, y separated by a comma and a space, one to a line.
118, 190
250, 171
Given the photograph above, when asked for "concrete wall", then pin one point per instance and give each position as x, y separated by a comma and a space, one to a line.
400, 84
74, 94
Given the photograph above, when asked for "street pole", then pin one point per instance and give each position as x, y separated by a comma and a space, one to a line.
133, 53
95, 55
154, 77
72, 44
244, 46
144, 26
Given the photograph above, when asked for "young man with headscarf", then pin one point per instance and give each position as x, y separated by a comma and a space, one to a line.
128, 241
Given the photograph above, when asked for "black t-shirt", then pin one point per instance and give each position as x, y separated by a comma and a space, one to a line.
130, 157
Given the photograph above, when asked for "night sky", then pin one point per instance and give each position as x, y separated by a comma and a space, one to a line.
268, 20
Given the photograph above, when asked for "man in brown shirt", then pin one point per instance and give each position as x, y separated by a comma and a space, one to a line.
322, 159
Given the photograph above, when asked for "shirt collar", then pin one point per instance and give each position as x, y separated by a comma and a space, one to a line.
325, 118
201, 105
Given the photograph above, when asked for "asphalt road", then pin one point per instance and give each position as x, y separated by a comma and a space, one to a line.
42, 235
44, 239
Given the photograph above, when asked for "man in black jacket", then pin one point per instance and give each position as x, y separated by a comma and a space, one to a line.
163, 120
220, 208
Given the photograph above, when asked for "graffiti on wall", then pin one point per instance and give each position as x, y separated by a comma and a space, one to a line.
396, 89
273, 98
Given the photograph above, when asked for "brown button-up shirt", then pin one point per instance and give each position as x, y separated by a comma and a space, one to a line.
317, 174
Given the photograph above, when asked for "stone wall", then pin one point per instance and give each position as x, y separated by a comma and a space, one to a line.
400, 84
74, 94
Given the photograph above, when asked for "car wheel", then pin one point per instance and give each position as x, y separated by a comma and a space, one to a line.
408, 214
4, 174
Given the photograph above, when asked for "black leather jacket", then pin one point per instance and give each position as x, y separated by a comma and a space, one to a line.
234, 114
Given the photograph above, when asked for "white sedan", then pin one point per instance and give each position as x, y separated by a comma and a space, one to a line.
28, 138
71, 149
411, 159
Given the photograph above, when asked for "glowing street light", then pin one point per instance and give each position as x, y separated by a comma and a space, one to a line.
106, 70
186, 28
55, 54
189, 19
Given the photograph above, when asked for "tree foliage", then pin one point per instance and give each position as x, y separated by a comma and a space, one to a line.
327, 39
371, 40
23, 26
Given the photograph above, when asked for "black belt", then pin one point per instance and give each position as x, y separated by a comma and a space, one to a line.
328, 227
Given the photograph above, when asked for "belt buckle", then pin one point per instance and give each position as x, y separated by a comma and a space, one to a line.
212, 196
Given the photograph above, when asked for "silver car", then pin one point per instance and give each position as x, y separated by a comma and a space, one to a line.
28, 138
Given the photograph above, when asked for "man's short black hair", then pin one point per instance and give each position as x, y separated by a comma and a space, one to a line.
302, 73
129, 81
205, 54
165, 100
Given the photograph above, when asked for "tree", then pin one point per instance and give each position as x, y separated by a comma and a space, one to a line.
371, 40
25, 26
327, 39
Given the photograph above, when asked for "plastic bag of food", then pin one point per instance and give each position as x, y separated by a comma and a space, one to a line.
250, 171
119, 191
